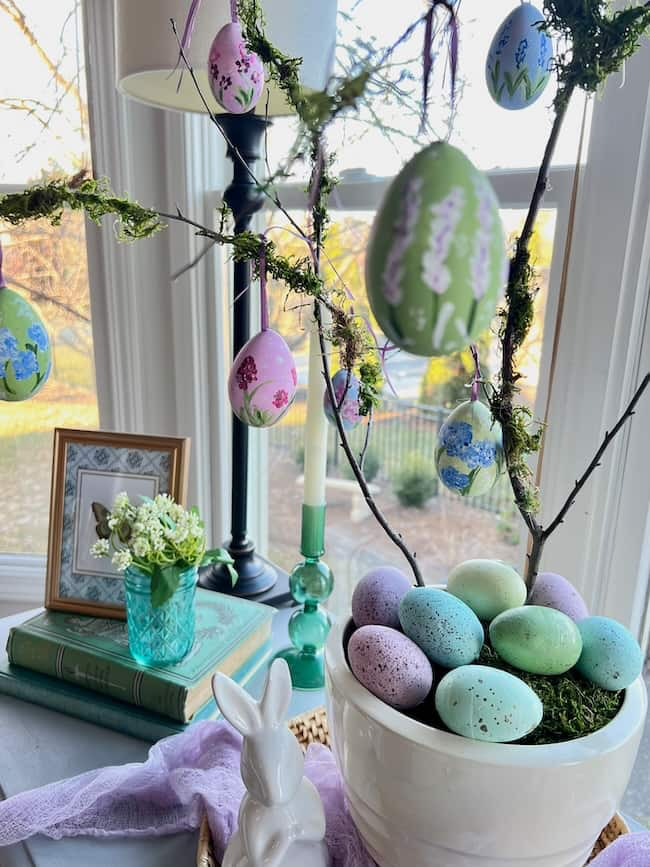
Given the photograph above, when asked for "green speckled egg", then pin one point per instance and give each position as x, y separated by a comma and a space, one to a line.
469, 450
25, 354
436, 263
487, 704
536, 639
489, 587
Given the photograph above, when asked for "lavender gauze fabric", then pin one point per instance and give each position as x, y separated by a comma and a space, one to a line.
184, 777
192, 773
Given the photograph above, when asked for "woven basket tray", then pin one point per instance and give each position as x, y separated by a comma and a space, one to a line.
312, 728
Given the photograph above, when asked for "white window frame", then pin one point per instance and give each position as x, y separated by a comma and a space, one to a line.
163, 349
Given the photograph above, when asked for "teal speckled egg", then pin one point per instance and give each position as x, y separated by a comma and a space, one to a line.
489, 587
611, 657
469, 450
25, 353
436, 263
487, 704
445, 628
536, 639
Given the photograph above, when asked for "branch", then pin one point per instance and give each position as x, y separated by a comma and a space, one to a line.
358, 474
595, 461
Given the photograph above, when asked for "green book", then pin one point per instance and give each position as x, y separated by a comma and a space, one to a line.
94, 653
102, 710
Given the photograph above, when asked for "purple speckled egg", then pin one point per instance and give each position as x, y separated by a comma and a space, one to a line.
554, 591
262, 381
390, 666
349, 407
377, 596
236, 74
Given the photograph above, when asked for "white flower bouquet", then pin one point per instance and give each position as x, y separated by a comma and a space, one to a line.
158, 537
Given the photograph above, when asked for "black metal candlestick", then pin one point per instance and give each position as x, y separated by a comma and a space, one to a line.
244, 198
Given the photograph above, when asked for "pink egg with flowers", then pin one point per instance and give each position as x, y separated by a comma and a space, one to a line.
236, 74
262, 381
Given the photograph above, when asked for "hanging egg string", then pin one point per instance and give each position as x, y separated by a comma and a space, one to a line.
264, 300
427, 54
476, 380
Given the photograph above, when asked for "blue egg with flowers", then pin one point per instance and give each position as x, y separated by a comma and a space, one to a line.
519, 61
469, 451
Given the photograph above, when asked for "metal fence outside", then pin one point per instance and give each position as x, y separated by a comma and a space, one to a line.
399, 428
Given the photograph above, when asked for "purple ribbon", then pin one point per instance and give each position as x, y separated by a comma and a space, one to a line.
476, 380
427, 52
190, 24
264, 300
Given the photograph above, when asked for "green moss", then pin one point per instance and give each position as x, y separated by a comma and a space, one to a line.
573, 707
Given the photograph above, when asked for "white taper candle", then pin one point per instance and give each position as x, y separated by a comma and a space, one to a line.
316, 425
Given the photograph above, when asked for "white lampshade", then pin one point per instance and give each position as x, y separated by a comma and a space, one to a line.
146, 48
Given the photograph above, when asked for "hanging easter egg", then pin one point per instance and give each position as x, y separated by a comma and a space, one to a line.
236, 74
436, 262
346, 393
262, 381
25, 353
518, 66
469, 450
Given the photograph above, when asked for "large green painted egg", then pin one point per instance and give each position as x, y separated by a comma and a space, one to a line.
25, 353
436, 259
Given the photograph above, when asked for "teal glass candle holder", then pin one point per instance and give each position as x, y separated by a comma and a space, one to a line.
311, 583
163, 635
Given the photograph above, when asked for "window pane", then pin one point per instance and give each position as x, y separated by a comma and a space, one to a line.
446, 529
43, 116
381, 139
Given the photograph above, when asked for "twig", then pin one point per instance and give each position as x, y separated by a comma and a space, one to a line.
354, 466
366, 443
595, 461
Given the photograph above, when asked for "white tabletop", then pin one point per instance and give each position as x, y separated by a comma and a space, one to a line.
39, 746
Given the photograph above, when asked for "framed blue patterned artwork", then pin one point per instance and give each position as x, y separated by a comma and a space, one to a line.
89, 469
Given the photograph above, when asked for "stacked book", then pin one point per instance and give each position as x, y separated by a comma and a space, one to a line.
81, 666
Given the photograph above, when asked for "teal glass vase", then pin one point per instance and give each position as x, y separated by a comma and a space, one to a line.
163, 635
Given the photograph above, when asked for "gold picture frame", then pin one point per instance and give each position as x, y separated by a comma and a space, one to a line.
90, 467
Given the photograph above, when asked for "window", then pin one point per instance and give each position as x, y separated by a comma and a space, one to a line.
45, 134
446, 529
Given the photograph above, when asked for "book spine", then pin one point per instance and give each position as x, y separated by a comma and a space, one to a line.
75, 665
116, 718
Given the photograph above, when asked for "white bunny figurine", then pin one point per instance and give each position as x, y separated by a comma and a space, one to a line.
281, 817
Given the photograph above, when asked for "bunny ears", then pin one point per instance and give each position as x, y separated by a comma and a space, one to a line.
245, 714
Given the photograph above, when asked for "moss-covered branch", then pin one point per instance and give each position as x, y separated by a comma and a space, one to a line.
592, 42
95, 197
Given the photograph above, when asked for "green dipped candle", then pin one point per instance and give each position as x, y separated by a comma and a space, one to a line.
25, 351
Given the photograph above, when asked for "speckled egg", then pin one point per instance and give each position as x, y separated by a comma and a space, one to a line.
262, 381
377, 596
435, 261
487, 704
518, 66
25, 352
554, 591
487, 586
390, 666
445, 628
236, 74
469, 450
611, 657
349, 404
536, 639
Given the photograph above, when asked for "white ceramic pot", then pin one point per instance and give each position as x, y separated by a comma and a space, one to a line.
426, 798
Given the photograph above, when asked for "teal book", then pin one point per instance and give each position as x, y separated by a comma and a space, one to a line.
107, 712
93, 652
